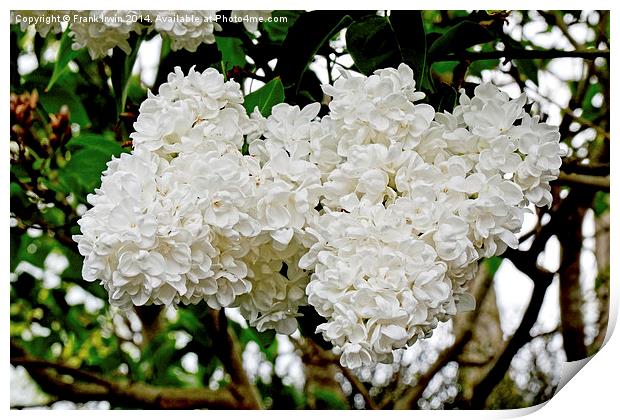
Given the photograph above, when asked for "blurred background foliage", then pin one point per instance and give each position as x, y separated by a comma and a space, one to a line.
70, 115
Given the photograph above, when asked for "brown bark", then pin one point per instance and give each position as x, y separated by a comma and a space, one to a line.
229, 353
602, 237
320, 368
500, 365
571, 298
487, 341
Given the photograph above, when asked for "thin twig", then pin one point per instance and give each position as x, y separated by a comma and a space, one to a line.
601, 183
359, 387
571, 114
61, 368
522, 54
332, 358
555, 18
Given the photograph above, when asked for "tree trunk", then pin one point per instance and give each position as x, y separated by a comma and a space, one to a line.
571, 299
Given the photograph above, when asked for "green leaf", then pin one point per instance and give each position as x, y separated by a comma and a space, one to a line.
408, 27
65, 54
188, 321
54, 216
444, 68
232, 51
589, 111
162, 357
376, 42
528, 68
90, 154
121, 66
277, 31
95, 141
53, 100
264, 339
601, 203
271, 352
83, 172
308, 34
460, 37
372, 44
136, 92
265, 98
492, 264
329, 398
476, 67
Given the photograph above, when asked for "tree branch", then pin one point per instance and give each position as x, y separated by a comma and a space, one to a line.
83, 386
571, 300
229, 353
499, 368
358, 386
573, 166
525, 261
522, 54
309, 346
601, 183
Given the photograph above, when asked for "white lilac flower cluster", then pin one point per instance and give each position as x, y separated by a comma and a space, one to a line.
375, 214
102, 30
417, 198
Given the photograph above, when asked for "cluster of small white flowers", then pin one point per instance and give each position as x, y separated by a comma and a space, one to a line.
187, 34
376, 214
413, 202
187, 217
102, 30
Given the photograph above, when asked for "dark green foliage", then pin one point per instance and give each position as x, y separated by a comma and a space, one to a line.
373, 45
461, 36
65, 55
121, 66
377, 42
308, 34
265, 98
